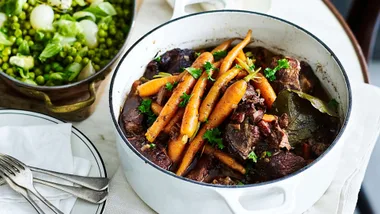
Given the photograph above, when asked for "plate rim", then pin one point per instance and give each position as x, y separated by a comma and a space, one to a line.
91, 146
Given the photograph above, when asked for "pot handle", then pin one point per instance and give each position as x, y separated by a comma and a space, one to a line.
65, 108
232, 198
179, 6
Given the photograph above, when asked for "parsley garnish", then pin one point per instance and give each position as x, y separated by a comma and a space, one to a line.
219, 54
213, 137
208, 67
152, 145
268, 154
145, 109
238, 66
270, 73
169, 86
253, 156
197, 54
185, 99
195, 72
158, 59
333, 104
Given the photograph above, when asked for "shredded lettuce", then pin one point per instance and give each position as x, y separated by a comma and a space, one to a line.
102, 10
4, 39
24, 48
68, 28
13, 7
24, 62
84, 15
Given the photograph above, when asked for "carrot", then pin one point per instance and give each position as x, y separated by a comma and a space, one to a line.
175, 149
227, 103
217, 64
224, 158
211, 98
266, 89
177, 117
156, 108
269, 118
224, 46
171, 106
190, 118
241, 55
227, 62
153, 86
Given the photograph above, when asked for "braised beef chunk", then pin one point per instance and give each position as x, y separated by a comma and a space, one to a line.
163, 96
276, 137
279, 165
132, 119
307, 78
174, 60
151, 70
319, 148
286, 78
158, 155
241, 138
224, 181
202, 169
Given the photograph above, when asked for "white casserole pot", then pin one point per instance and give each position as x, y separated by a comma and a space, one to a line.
167, 193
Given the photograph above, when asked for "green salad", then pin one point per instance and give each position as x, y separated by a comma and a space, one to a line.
57, 42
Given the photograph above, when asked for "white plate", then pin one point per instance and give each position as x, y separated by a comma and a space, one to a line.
80, 144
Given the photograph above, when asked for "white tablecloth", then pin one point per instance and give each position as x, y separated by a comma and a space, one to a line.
312, 15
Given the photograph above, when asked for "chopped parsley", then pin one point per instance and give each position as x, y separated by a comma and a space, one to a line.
253, 156
238, 66
185, 99
333, 104
145, 109
195, 72
219, 54
197, 54
158, 59
169, 86
213, 138
208, 67
152, 145
270, 74
268, 154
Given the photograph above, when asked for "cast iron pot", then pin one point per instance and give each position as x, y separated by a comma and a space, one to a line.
167, 193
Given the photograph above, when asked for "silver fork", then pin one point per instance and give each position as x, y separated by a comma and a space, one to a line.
23, 177
22, 191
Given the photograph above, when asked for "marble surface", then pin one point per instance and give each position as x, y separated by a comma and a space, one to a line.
313, 15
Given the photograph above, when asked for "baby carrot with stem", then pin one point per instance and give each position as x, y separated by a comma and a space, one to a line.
152, 87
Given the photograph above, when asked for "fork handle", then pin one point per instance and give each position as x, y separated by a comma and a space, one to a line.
46, 202
34, 204
89, 182
96, 197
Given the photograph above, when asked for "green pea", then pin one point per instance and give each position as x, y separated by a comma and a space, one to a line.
56, 78
14, 51
77, 45
22, 15
15, 26
96, 59
19, 41
96, 67
59, 69
47, 68
106, 53
57, 16
38, 71
112, 31
62, 54
91, 53
28, 38
73, 51
70, 59
5, 66
7, 51
102, 40
18, 33
25, 32
10, 72
1, 61
47, 77
32, 32
55, 65
78, 59
27, 25
103, 46
2, 47
85, 61
102, 33
48, 35
40, 80
12, 39
32, 75
5, 58
25, 6
30, 43
14, 19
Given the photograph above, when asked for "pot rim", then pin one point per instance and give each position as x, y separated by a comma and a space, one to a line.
88, 79
146, 160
